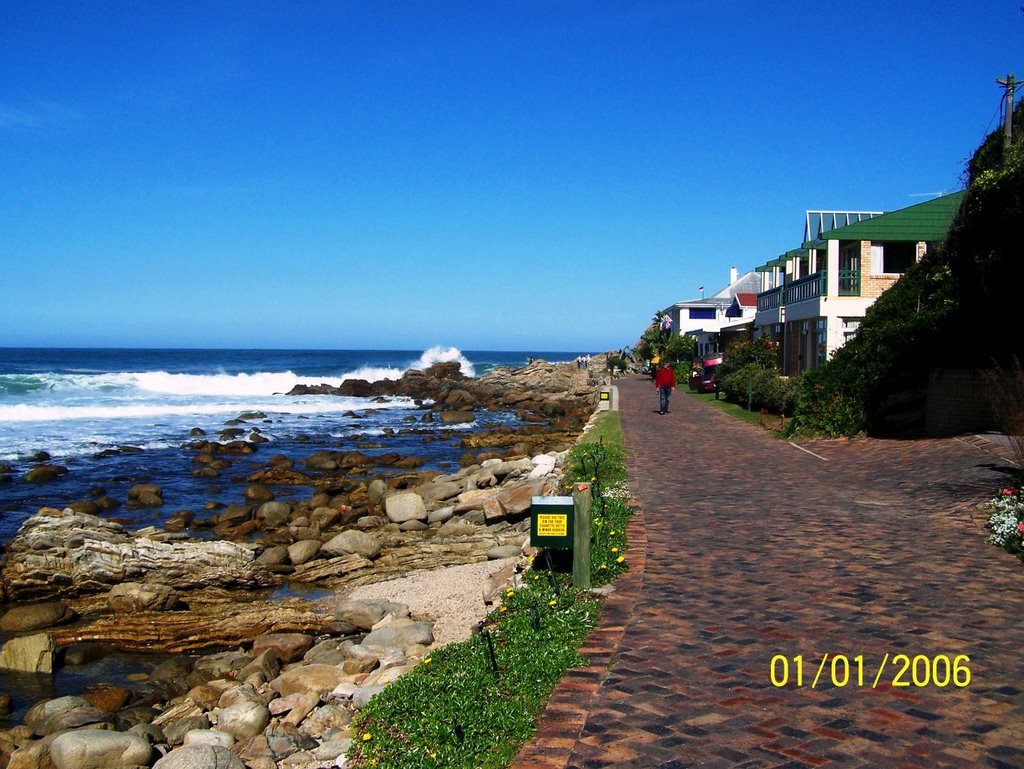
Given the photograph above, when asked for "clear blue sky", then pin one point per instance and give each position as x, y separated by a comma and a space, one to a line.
490, 175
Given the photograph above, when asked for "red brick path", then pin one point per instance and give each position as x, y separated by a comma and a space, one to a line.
746, 548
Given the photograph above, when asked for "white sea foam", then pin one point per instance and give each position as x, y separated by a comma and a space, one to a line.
436, 354
26, 413
260, 383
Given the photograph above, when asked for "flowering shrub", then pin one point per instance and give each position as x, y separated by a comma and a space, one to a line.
1007, 521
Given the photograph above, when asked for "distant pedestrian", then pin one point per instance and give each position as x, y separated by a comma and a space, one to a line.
664, 383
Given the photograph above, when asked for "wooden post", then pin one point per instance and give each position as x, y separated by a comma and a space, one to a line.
581, 537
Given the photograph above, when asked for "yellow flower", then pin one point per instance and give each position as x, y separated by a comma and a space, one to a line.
433, 755
426, 660
615, 549
620, 559
604, 566
593, 478
510, 593
611, 532
367, 736
503, 608
552, 602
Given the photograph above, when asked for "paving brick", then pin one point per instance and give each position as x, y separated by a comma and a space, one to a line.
744, 548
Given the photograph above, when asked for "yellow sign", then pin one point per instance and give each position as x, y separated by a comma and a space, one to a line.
604, 395
552, 525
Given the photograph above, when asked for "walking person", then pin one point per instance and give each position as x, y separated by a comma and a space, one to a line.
664, 383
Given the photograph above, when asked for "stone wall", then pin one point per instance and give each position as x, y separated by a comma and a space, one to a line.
957, 403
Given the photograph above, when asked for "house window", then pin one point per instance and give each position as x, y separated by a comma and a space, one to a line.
850, 326
820, 342
702, 313
897, 257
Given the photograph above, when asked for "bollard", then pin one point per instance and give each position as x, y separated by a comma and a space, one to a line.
581, 537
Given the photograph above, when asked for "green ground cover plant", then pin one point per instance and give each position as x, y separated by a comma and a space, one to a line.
471, 705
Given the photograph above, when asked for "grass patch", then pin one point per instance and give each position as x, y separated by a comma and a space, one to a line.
464, 709
607, 429
751, 417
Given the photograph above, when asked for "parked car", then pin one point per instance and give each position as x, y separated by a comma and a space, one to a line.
709, 364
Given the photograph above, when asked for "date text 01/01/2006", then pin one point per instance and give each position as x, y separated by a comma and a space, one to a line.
841, 670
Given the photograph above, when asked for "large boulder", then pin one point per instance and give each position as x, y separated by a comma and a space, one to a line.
271, 515
352, 542
244, 720
304, 550
367, 613
135, 596
61, 713
400, 634
287, 647
405, 506
308, 679
35, 616
28, 654
200, 757
94, 749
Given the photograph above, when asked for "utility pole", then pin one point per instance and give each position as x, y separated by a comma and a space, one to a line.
1008, 84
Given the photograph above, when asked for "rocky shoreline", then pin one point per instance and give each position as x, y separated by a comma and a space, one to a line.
281, 676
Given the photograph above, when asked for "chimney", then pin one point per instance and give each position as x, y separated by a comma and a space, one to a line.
734, 275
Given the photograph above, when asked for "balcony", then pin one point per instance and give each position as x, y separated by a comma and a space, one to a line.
770, 299
810, 287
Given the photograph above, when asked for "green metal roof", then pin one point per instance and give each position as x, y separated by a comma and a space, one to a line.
928, 221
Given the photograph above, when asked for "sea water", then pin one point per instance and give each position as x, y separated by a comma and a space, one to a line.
114, 418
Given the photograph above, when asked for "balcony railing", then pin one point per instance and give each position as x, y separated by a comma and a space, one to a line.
849, 283
807, 288
770, 299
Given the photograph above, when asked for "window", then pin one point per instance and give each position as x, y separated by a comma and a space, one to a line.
820, 342
702, 313
897, 257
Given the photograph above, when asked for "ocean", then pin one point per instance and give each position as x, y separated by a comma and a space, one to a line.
117, 417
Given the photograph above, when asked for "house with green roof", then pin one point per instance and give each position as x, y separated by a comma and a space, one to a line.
814, 297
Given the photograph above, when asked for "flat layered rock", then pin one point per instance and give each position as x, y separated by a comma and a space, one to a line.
74, 554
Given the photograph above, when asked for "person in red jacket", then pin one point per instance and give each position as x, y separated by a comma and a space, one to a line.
665, 383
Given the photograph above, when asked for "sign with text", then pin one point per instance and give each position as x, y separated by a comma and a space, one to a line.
551, 522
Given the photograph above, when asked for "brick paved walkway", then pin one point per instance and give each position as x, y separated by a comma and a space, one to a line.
747, 548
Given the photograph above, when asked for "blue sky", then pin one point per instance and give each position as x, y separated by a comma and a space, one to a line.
490, 175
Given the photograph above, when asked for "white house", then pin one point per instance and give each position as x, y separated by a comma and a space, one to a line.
729, 309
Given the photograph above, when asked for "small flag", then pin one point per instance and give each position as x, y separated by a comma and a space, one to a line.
701, 288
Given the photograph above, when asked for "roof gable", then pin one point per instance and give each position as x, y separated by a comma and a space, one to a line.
928, 221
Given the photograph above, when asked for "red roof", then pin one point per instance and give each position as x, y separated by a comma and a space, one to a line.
746, 300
